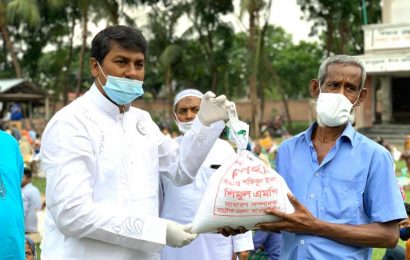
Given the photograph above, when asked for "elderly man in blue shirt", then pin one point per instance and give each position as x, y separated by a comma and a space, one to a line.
345, 193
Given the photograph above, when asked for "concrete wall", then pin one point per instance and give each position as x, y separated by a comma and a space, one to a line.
366, 110
300, 110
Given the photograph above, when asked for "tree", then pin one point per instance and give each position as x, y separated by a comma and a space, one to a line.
341, 22
106, 7
295, 66
286, 68
162, 22
169, 59
206, 22
253, 8
10, 12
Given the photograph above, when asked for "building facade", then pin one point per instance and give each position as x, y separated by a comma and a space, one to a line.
387, 61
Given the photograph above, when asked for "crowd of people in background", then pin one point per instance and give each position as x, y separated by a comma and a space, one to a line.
28, 143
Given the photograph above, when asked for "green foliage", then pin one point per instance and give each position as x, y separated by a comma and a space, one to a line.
23, 10
296, 65
339, 22
288, 65
297, 127
171, 56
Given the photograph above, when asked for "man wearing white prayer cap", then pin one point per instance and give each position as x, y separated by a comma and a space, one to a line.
181, 203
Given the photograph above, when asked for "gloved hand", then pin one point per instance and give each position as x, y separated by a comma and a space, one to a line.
231, 108
179, 235
213, 109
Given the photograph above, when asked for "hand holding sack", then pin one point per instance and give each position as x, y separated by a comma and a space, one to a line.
179, 235
240, 191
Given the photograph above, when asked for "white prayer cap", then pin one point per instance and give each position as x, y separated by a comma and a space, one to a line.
187, 93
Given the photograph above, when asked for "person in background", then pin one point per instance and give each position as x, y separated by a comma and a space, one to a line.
32, 133
181, 203
257, 149
11, 203
345, 192
15, 132
400, 253
30, 249
35, 163
267, 243
26, 150
16, 112
103, 158
32, 204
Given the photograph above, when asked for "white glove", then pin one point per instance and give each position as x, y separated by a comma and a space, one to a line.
179, 235
231, 108
212, 109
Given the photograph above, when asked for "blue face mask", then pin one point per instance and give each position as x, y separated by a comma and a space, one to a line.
122, 91
404, 233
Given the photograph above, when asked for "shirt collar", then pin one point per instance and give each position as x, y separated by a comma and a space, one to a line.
103, 102
348, 133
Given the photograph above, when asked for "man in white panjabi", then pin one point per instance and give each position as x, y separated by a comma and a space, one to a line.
102, 159
181, 203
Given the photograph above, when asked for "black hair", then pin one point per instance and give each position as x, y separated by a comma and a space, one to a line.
407, 207
127, 37
27, 172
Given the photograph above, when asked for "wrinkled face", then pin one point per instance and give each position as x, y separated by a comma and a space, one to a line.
344, 79
187, 108
119, 62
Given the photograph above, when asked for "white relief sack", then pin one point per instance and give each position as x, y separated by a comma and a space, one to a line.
240, 191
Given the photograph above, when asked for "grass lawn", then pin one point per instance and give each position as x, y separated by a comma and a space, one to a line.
40, 183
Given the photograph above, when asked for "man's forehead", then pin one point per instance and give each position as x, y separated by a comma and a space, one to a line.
337, 69
343, 71
188, 101
118, 50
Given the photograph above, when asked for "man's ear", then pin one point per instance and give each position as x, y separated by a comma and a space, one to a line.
362, 96
314, 88
95, 70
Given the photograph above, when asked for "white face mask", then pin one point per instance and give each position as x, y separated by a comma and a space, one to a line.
184, 126
333, 109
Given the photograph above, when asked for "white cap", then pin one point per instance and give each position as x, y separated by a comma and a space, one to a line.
187, 93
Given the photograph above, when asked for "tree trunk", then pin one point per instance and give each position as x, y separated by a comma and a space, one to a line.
282, 93
343, 37
253, 91
214, 72
286, 104
83, 46
170, 94
10, 49
260, 51
329, 36
66, 88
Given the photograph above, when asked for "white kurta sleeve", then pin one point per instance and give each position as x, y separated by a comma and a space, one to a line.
242, 242
70, 166
182, 163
